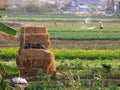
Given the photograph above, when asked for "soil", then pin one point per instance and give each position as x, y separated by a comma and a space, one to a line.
86, 44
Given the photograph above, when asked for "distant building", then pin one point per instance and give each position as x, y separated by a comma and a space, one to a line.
78, 5
89, 7
86, 1
17, 1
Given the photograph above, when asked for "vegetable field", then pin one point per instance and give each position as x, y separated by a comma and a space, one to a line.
78, 63
87, 58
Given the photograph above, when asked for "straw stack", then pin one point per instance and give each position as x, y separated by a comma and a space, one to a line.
30, 30
41, 38
33, 57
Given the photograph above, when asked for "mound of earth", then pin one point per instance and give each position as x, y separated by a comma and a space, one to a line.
13, 23
6, 37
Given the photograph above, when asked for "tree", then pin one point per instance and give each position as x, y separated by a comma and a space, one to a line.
118, 13
32, 6
110, 6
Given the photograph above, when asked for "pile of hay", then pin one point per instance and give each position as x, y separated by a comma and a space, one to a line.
30, 57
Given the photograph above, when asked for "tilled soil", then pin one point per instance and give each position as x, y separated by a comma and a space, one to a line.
87, 44
70, 44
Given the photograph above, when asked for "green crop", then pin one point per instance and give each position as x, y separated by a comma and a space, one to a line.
58, 17
86, 54
9, 53
85, 35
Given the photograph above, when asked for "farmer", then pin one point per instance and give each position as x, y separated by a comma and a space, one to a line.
101, 25
55, 23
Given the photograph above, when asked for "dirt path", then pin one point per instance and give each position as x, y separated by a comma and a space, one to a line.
87, 44
70, 44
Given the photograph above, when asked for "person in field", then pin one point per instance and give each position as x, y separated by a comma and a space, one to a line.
55, 23
101, 25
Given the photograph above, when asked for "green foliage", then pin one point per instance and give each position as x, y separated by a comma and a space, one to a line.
2, 9
40, 86
85, 35
118, 13
86, 54
6, 70
113, 87
6, 29
74, 84
8, 53
32, 6
57, 17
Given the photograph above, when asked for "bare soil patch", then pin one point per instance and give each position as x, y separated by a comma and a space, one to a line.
86, 44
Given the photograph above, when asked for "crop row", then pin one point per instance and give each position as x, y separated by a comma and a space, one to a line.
8, 53
86, 54
79, 26
58, 17
85, 35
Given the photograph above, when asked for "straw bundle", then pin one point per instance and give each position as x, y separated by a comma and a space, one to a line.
41, 30
29, 53
42, 39
30, 30
43, 59
36, 38
27, 30
32, 53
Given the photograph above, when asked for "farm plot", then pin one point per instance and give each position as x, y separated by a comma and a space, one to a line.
78, 66
107, 38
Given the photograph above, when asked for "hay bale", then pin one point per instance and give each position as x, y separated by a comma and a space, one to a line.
52, 66
42, 39
30, 30
31, 52
41, 29
43, 59
27, 30
35, 37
